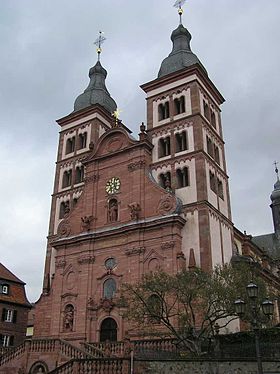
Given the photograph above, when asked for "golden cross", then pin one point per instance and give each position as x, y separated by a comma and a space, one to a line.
116, 115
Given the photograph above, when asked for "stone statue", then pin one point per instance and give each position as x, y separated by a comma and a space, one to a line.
69, 318
113, 211
134, 211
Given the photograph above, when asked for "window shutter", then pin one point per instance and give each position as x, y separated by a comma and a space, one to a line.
4, 313
14, 316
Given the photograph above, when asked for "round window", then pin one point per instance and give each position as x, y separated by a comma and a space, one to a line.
110, 263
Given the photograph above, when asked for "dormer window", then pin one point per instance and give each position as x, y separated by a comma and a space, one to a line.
67, 178
181, 142
70, 145
164, 147
163, 111
82, 140
179, 105
5, 289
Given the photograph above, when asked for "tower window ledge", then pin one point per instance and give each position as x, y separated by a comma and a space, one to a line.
82, 150
65, 188
183, 152
164, 158
182, 188
68, 155
162, 122
78, 184
181, 115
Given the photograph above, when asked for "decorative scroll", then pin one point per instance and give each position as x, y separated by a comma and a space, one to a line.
64, 229
167, 205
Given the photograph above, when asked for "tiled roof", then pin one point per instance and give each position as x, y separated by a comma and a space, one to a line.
16, 295
8, 275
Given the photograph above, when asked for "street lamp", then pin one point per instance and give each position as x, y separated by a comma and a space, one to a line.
267, 308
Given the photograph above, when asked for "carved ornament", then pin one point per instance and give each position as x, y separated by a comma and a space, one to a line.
136, 165
134, 211
114, 144
135, 251
168, 245
92, 179
86, 259
60, 263
86, 223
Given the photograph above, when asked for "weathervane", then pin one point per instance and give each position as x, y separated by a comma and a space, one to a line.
98, 42
276, 169
116, 115
178, 4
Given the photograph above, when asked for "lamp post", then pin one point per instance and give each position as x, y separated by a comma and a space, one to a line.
267, 308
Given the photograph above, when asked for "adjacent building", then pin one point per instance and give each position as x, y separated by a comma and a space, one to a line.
14, 309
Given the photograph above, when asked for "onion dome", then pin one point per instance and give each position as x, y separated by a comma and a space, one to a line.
181, 55
276, 192
96, 92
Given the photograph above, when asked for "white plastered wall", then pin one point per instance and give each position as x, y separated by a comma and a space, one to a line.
212, 197
202, 98
187, 194
59, 200
190, 236
68, 135
216, 245
227, 242
207, 133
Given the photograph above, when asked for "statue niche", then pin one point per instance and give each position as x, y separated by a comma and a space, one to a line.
113, 210
68, 318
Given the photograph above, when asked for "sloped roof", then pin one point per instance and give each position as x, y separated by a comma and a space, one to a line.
6, 274
269, 243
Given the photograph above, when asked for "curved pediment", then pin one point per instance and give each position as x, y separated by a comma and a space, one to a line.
112, 141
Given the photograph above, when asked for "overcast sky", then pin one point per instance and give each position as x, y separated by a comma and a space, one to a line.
46, 52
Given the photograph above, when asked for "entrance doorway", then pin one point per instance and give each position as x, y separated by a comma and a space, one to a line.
108, 330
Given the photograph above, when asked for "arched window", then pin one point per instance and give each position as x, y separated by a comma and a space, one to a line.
163, 111
108, 330
182, 177
164, 147
206, 110
220, 189
79, 174
67, 178
179, 105
68, 320
212, 182
217, 154
181, 141
213, 119
82, 142
109, 288
209, 146
70, 145
39, 367
64, 209
113, 210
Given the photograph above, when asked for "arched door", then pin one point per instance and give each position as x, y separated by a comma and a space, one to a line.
108, 330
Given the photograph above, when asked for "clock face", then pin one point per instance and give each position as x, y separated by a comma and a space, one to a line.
113, 185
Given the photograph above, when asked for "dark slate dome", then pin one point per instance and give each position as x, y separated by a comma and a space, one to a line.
96, 92
181, 55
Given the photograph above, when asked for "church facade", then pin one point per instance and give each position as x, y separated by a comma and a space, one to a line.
122, 207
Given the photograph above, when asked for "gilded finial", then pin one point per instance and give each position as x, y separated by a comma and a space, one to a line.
116, 115
178, 4
276, 169
98, 42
